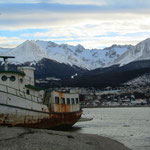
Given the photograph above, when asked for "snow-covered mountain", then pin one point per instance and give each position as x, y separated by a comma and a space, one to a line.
34, 51
4, 50
135, 53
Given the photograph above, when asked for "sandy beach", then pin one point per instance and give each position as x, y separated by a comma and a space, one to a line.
14, 138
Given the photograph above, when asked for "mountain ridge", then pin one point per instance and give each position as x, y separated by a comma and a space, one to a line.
34, 51
141, 51
63, 61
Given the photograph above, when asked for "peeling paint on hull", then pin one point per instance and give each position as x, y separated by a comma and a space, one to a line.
23, 104
39, 119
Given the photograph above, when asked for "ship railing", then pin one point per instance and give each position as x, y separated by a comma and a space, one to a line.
19, 93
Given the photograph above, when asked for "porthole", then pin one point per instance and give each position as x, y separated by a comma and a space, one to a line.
12, 78
4, 78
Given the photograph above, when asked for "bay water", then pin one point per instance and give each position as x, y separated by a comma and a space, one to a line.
130, 126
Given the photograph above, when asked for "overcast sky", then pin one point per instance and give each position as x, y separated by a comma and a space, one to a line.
91, 23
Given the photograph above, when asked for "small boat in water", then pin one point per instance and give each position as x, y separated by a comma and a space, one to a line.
23, 104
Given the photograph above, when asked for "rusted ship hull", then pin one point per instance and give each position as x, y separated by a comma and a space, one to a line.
37, 119
23, 104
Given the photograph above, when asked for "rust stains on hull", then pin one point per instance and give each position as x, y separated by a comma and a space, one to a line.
63, 108
53, 120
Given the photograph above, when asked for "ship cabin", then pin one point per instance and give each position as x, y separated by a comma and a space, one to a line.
21, 83
64, 102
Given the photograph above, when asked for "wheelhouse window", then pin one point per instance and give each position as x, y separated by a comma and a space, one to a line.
28, 92
72, 100
77, 100
4, 78
12, 78
21, 80
68, 100
62, 100
56, 100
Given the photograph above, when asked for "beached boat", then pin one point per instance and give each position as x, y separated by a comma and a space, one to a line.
23, 104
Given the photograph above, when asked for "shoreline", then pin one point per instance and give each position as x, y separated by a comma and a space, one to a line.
17, 138
116, 106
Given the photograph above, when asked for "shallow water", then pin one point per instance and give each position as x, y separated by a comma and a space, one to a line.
130, 126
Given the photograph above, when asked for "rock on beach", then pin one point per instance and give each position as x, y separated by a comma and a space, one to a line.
14, 138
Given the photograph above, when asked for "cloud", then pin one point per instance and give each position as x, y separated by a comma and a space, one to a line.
74, 6
10, 42
98, 25
106, 41
79, 2
88, 38
116, 3
34, 15
116, 22
91, 22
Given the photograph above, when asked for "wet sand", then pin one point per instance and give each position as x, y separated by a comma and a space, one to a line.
14, 138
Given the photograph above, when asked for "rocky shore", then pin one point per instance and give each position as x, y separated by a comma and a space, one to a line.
14, 138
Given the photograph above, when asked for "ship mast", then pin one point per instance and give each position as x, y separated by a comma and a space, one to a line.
5, 58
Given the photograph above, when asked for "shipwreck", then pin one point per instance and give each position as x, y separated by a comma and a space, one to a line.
23, 104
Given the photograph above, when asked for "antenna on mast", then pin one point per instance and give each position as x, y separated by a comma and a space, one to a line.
5, 58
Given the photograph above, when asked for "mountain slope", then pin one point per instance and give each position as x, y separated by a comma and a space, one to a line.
110, 76
28, 51
4, 50
136, 53
49, 68
34, 51
114, 65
